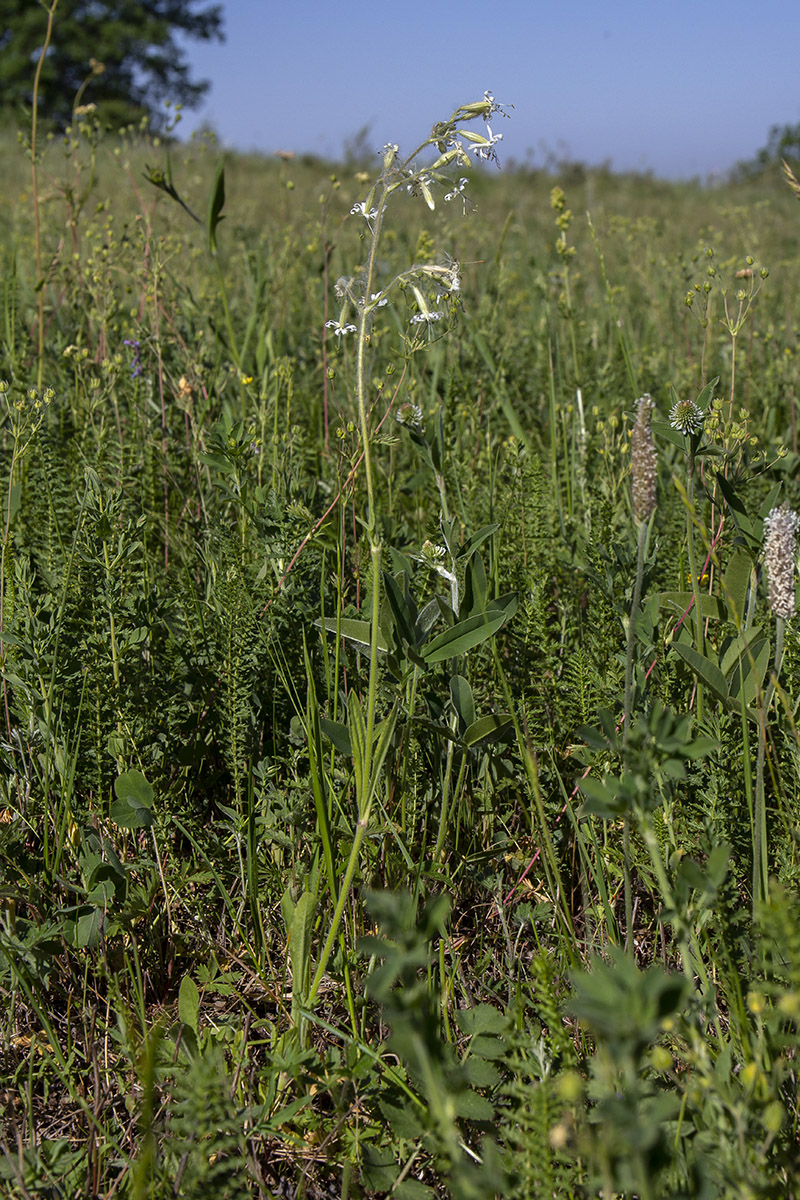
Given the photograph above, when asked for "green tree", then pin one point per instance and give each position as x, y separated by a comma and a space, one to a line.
783, 141
121, 55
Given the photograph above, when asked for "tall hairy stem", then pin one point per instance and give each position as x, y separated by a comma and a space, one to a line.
51, 12
698, 610
628, 703
760, 860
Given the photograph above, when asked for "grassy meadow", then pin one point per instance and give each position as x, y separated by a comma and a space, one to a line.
398, 728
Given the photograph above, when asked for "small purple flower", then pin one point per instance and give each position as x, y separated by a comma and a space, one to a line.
136, 362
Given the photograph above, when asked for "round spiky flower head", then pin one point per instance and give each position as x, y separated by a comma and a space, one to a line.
686, 417
780, 534
644, 465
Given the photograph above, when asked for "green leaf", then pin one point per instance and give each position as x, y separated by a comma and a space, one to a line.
132, 786
357, 730
482, 1018
402, 608
606, 799
382, 740
734, 649
412, 1189
771, 501
133, 806
189, 1004
664, 431
464, 636
426, 621
487, 1046
704, 398
739, 576
747, 677
300, 941
337, 733
87, 928
13, 498
472, 1107
707, 671
475, 540
481, 1073
679, 602
216, 204
474, 587
355, 631
403, 1119
463, 702
493, 726
731, 497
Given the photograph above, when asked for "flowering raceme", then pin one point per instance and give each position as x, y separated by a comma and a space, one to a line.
780, 536
644, 466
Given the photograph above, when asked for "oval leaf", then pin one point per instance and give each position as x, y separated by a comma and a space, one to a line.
189, 1004
133, 787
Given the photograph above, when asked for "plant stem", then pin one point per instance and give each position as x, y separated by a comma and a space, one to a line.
35, 192
641, 542
760, 858
698, 611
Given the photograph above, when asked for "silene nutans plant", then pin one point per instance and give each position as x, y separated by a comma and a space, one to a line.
412, 814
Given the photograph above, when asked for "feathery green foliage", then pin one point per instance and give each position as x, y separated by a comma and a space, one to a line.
387, 806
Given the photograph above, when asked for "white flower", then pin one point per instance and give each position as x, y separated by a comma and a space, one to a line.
418, 185
448, 279
425, 318
378, 299
780, 536
458, 189
389, 153
494, 107
339, 329
433, 555
485, 149
409, 414
360, 209
686, 417
454, 152
432, 552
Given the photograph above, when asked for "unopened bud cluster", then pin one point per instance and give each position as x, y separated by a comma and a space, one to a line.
780, 536
644, 464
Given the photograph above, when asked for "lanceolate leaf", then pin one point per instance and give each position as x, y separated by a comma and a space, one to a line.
706, 670
464, 636
492, 727
681, 602
355, 631
216, 204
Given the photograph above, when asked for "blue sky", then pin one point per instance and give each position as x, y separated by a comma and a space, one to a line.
679, 87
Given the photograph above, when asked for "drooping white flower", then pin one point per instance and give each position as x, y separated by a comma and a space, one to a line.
458, 188
360, 209
339, 329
